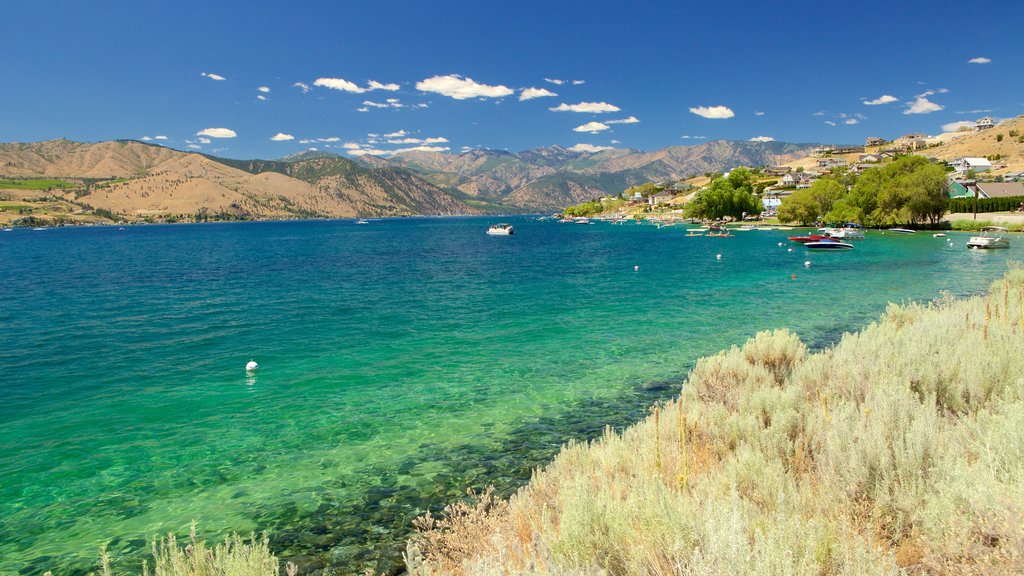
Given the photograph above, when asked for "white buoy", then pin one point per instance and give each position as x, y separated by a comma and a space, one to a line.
718, 256
789, 249
807, 263
780, 243
252, 366
635, 268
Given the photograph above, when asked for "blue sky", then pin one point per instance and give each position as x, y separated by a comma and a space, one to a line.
451, 75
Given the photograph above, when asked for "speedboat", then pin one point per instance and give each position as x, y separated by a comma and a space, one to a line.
847, 233
362, 221
582, 220
938, 235
806, 239
828, 244
501, 230
991, 237
902, 230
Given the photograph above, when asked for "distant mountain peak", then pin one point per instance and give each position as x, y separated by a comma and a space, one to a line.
309, 155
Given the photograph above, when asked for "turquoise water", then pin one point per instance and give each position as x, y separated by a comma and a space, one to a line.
403, 361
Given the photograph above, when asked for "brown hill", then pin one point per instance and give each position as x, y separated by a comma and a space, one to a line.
986, 143
138, 180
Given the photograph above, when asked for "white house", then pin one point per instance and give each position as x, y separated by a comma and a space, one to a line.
962, 165
984, 123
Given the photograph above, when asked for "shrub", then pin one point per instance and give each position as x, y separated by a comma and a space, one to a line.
898, 450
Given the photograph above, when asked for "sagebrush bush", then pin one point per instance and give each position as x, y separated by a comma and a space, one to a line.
899, 450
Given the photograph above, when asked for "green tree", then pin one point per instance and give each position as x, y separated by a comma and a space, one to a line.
825, 192
999, 137
721, 198
801, 207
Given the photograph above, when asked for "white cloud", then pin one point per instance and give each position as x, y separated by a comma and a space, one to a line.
616, 142
976, 111
351, 146
762, 139
758, 113
302, 86
589, 148
203, 140
213, 76
979, 60
555, 81
145, 138
531, 93
883, 99
307, 141
713, 112
830, 123
956, 126
363, 109
346, 86
850, 121
819, 113
159, 137
459, 88
398, 134
630, 120
282, 137
586, 107
688, 137
217, 133
435, 140
263, 89
261, 97
374, 85
368, 152
922, 105
592, 127
329, 139
578, 82
195, 147
390, 103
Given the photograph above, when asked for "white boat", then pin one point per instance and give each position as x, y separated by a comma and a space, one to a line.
938, 235
828, 245
8, 229
582, 220
362, 221
847, 233
991, 237
902, 230
501, 229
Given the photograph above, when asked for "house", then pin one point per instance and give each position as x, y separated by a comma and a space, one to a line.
860, 167
778, 170
660, 198
869, 158
794, 179
873, 141
984, 123
829, 163
960, 188
1000, 189
962, 165
910, 142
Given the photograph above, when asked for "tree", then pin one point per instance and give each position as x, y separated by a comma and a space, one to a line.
801, 207
721, 198
825, 192
999, 137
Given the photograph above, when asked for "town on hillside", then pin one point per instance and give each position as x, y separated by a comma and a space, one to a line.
909, 180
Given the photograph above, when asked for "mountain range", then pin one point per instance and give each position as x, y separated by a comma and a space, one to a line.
137, 179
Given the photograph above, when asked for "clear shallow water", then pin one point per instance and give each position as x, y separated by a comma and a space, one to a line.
402, 362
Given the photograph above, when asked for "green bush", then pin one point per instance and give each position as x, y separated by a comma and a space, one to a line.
1008, 203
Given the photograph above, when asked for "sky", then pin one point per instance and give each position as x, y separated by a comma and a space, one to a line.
267, 79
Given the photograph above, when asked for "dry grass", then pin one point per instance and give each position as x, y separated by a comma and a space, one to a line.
898, 451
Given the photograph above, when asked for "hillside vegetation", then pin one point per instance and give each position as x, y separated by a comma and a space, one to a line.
898, 451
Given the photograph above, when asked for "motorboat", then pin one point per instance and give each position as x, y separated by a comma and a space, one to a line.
991, 237
828, 244
582, 220
501, 229
806, 239
938, 235
902, 231
362, 221
847, 233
